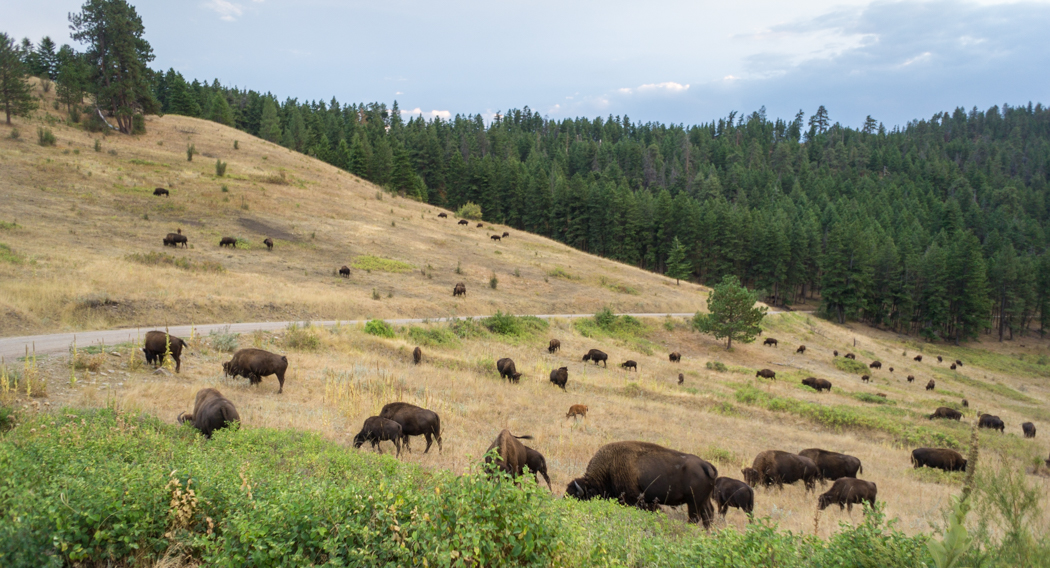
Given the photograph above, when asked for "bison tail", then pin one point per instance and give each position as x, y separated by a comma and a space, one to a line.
525, 437
284, 358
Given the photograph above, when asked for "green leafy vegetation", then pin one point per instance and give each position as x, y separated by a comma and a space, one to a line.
716, 366
182, 263
302, 338
433, 336
8, 255
469, 210
559, 272
379, 328
514, 326
733, 314
850, 366
380, 264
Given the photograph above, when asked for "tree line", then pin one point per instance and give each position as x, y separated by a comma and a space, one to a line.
937, 228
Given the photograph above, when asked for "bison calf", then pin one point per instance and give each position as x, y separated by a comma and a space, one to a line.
629, 364
817, 384
595, 355
158, 343
577, 410
847, 491
211, 411
555, 345
560, 376
506, 369
254, 364
733, 493
377, 429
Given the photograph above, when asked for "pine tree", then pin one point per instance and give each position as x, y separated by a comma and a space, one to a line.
360, 156
732, 313
220, 109
382, 165
47, 58
15, 92
269, 125
678, 267
72, 78
180, 99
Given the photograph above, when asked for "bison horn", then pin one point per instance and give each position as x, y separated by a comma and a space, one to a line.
181, 418
578, 488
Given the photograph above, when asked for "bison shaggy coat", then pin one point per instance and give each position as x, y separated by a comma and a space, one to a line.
918, 358
939, 458
817, 384
777, 467
847, 491
417, 355
157, 343
442, 215
876, 365
459, 290
945, 412
647, 475
801, 349
414, 421
833, 465
344, 271
1029, 429
560, 377
770, 341
377, 429
269, 243
991, 421
161, 191
211, 411
555, 345
596, 355
228, 242
930, 385
865, 378
495, 237
675, 357
730, 492
506, 369
629, 364
767, 374
911, 378
254, 364
463, 222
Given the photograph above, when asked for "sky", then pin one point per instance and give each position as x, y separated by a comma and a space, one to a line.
661, 60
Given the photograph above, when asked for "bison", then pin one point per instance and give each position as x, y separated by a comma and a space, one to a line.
375, 430
505, 234
770, 341
464, 222
850, 356
891, 369
875, 365
1029, 429
952, 367
817, 384
158, 343
577, 410
847, 491
940, 359
965, 403
947, 413
730, 492
211, 411
918, 358
537, 465
836, 352
776, 467
911, 378
161, 191
766, 374
254, 364
506, 369
268, 242
176, 239
992, 422
647, 475
417, 355
958, 362
344, 271
480, 225
930, 385
459, 290
865, 378
555, 345
443, 215
414, 421
495, 237
595, 355
675, 357
560, 376
681, 378
629, 364
801, 349
228, 242
939, 458
510, 453
833, 465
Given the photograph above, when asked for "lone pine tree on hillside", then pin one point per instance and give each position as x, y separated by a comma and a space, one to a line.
733, 314
15, 92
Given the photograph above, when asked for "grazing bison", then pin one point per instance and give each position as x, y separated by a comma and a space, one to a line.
459, 290
817, 384
930, 385
946, 413
880, 394
865, 378
228, 242
629, 364
577, 410
560, 376
850, 356
952, 367
847, 491
505, 234
375, 430
158, 343
681, 378
958, 362
770, 341
510, 453
254, 364
833, 465
891, 369
991, 421
537, 465
917, 358
766, 374
776, 467
595, 355
417, 355
211, 411
176, 239
801, 349
506, 369
1029, 429
443, 215
344, 271
161, 191
555, 345
836, 352
414, 421
939, 359
966, 403
480, 225
911, 378
876, 365
675, 357
939, 458
464, 222
730, 492
269, 243
495, 237
647, 475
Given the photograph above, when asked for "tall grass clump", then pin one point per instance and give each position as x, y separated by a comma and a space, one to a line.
301, 338
220, 168
45, 137
850, 366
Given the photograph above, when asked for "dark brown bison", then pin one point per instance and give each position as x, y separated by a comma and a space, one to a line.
801, 349
211, 411
730, 492
911, 378
537, 465
952, 367
506, 369
577, 410
176, 239
776, 467
228, 242
850, 356
555, 345
865, 378
767, 374
833, 465
891, 369
510, 455
464, 222
158, 343
817, 384
992, 422
930, 385
505, 234
947, 413
1029, 429
965, 403
344, 271
161, 191
443, 215
495, 237
847, 491
560, 376
681, 378
377, 429
836, 352
647, 475
254, 364
940, 359
480, 225
459, 290
770, 341
880, 394
414, 421
917, 358
596, 356
417, 355
875, 365
675, 357
939, 458
268, 242
958, 362
629, 364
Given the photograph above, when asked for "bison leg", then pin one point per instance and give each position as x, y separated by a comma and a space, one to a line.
397, 444
427, 436
404, 442
178, 362
280, 379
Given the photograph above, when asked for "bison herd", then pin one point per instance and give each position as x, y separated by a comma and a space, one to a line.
177, 238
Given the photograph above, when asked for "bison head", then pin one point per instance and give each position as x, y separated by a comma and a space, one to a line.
580, 488
359, 440
751, 476
823, 501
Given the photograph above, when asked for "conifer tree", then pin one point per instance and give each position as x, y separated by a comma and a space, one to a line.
732, 313
15, 93
269, 125
47, 59
220, 109
72, 78
678, 267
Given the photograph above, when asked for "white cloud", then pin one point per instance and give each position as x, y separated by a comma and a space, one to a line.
669, 86
226, 10
624, 91
918, 59
442, 114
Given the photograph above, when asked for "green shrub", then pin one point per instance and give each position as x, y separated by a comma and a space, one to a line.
8, 255
138, 124
370, 263
220, 168
191, 149
469, 210
493, 282
223, 340
45, 137
716, 366
98, 145
513, 326
301, 338
15, 134
433, 336
379, 328
868, 397
7, 418
466, 328
850, 366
